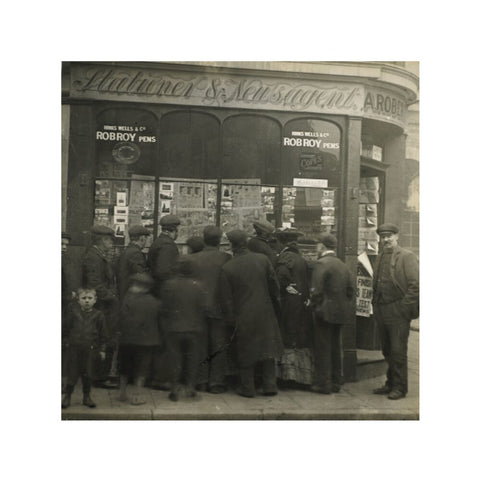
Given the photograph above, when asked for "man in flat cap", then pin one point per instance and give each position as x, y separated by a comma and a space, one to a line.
98, 273
163, 253
162, 261
249, 291
395, 303
132, 259
206, 266
260, 242
333, 302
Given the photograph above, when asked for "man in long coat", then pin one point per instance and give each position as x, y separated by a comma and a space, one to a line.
333, 299
98, 273
395, 303
206, 266
249, 291
133, 260
162, 261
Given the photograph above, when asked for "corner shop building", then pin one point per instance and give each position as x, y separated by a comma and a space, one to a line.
316, 146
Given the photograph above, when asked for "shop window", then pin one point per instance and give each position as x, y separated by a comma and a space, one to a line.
125, 143
189, 145
311, 149
251, 149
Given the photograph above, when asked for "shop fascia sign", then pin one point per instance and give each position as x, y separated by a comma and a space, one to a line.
304, 182
147, 85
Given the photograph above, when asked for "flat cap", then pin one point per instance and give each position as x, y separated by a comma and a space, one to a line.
388, 228
212, 232
328, 240
137, 230
65, 235
195, 243
170, 220
264, 226
102, 230
288, 233
237, 237
142, 278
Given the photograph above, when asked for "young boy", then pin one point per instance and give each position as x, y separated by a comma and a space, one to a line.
183, 319
139, 335
84, 336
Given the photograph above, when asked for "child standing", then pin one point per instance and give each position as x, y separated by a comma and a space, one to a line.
139, 335
84, 336
183, 319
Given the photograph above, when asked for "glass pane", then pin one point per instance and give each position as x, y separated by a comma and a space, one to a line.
310, 210
189, 142
245, 201
120, 204
125, 143
251, 149
311, 149
192, 201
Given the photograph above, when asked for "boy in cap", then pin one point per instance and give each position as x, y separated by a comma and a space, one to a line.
333, 301
395, 303
83, 334
132, 259
183, 320
195, 244
139, 335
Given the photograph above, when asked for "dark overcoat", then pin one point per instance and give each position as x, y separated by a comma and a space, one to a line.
81, 328
140, 319
183, 305
207, 266
405, 275
332, 291
295, 322
162, 259
249, 290
261, 245
132, 261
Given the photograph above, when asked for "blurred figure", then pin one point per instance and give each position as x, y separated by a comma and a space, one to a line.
162, 262
183, 320
139, 335
67, 296
249, 292
207, 266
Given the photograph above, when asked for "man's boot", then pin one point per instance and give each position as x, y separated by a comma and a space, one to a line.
87, 401
66, 400
123, 388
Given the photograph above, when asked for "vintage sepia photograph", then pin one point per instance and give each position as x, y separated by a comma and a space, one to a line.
278, 277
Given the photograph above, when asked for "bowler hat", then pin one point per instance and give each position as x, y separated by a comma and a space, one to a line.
138, 230
212, 232
102, 230
169, 221
237, 237
142, 278
388, 228
264, 226
328, 240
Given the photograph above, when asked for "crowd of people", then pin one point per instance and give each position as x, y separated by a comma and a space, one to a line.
195, 322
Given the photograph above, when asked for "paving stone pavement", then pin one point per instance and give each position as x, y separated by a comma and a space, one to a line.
354, 402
